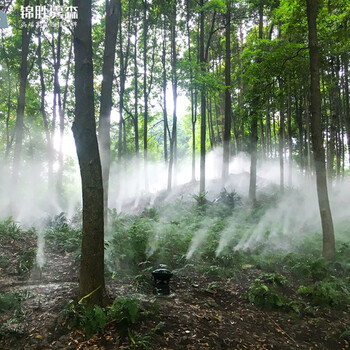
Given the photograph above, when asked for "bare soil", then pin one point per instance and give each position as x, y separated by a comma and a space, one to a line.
201, 313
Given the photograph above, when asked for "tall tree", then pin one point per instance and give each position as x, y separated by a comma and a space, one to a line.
19, 127
84, 129
145, 94
173, 136
254, 125
227, 124
316, 132
104, 136
203, 101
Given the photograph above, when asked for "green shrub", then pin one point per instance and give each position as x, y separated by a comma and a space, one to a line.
4, 261
63, 237
8, 228
10, 301
89, 319
331, 292
26, 261
265, 292
128, 243
125, 310
231, 199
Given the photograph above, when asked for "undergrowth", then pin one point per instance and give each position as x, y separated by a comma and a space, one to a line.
124, 312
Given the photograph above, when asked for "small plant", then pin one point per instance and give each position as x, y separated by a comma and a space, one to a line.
63, 237
26, 262
230, 199
139, 340
200, 198
8, 228
143, 283
150, 213
125, 310
345, 334
4, 261
330, 292
90, 319
265, 292
10, 302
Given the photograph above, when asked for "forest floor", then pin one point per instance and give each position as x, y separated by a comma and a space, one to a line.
202, 312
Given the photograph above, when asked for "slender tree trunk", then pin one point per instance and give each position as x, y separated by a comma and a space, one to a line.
165, 113
262, 139
44, 115
203, 102
254, 129
173, 139
210, 124
308, 136
104, 137
268, 134
347, 97
64, 102
136, 114
60, 112
19, 126
281, 147
299, 118
193, 109
123, 64
9, 138
91, 280
145, 95
290, 142
227, 123
317, 140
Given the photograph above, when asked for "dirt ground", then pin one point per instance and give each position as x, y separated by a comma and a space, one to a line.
200, 313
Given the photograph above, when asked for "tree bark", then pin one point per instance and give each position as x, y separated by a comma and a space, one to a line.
316, 130
173, 139
254, 128
136, 113
145, 95
347, 97
84, 130
193, 108
165, 113
203, 102
44, 115
19, 126
281, 138
104, 137
227, 123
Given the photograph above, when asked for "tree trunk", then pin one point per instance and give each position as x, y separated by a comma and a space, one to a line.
57, 91
227, 124
317, 140
145, 95
84, 130
203, 102
346, 96
290, 142
64, 102
254, 129
104, 137
136, 113
19, 126
44, 115
193, 108
165, 113
281, 145
173, 141
123, 65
